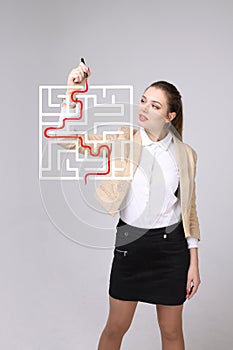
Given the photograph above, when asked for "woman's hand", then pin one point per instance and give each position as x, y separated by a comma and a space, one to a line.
193, 279
76, 76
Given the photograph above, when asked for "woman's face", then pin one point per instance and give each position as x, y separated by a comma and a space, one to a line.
152, 109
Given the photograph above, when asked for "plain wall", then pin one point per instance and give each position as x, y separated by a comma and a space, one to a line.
54, 292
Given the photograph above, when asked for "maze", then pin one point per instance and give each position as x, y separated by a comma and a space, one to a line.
74, 144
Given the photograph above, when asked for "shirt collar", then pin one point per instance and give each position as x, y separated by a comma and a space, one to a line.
164, 143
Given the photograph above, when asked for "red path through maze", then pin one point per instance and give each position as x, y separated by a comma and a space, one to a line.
80, 137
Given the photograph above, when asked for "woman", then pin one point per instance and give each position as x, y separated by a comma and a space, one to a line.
156, 248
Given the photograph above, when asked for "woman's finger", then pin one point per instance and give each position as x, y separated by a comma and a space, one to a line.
194, 289
189, 285
79, 77
84, 67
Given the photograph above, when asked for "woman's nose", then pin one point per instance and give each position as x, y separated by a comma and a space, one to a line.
145, 107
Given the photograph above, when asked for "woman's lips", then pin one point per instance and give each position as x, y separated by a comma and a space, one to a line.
142, 118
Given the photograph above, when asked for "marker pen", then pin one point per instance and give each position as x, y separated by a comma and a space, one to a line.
85, 74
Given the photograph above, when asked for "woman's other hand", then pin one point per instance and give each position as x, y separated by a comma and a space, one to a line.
193, 281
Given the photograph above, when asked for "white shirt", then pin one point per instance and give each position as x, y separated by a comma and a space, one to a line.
151, 201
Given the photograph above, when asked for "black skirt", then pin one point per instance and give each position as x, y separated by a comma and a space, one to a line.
150, 265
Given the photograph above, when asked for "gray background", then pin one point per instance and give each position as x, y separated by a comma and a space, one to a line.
53, 292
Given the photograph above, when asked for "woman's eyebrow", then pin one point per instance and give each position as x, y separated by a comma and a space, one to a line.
152, 100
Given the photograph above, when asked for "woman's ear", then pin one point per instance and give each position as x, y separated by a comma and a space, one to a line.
171, 116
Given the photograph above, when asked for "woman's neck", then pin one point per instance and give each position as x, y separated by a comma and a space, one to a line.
156, 136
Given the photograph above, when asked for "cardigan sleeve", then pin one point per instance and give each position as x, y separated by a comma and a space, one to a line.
75, 143
194, 222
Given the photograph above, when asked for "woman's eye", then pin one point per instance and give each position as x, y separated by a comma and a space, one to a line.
154, 106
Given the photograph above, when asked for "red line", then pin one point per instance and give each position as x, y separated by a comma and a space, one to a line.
80, 137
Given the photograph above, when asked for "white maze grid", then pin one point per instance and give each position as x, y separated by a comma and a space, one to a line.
105, 109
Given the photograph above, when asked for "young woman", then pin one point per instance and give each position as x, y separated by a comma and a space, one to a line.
156, 248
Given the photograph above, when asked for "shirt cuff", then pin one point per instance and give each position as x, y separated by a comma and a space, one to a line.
66, 109
192, 242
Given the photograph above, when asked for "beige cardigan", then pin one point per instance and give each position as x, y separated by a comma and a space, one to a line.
110, 193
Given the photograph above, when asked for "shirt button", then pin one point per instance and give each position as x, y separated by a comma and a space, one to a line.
126, 233
164, 236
